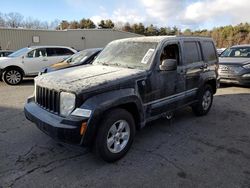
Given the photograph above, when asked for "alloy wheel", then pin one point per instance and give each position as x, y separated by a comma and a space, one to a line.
118, 136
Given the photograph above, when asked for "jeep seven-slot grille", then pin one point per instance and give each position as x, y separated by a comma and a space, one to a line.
48, 99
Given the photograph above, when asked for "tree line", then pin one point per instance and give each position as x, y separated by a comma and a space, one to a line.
223, 36
16, 20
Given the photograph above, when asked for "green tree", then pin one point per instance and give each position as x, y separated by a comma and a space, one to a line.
162, 31
151, 30
86, 24
64, 25
106, 24
74, 25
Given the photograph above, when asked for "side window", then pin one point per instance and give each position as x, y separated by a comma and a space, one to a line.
209, 51
63, 51
41, 52
191, 52
50, 52
170, 52
31, 54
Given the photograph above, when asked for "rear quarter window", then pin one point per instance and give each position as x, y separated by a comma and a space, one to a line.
50, 52
191, 52
63, 52
209, 51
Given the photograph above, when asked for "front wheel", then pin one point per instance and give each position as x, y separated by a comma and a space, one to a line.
205, 100
115, 135
12, 77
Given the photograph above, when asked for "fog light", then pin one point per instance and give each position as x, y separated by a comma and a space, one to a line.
83, 128
81, 112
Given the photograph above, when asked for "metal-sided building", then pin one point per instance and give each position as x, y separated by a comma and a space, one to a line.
79, 39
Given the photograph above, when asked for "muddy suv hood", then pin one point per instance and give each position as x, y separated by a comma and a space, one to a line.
79, 79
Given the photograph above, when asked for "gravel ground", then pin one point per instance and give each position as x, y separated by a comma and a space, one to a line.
211, 151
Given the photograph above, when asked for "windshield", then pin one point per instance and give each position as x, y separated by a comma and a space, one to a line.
79, 57
20, 52
236, 52
129, 54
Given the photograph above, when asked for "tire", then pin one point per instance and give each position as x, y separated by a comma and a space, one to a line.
12, 76
115, 135
205, 101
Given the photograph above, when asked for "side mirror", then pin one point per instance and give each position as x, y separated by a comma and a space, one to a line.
168, 65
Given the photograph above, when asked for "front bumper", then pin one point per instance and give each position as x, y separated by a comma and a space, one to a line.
59, 128
234, 79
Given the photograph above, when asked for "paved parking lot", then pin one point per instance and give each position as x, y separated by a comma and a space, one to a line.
211, 151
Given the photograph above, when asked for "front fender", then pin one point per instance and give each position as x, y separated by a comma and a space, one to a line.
99, 104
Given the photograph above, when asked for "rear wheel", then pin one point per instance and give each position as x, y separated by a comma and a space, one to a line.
115, 135
205, 100
12, 76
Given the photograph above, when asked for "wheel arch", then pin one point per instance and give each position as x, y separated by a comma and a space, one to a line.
212, 83
14, 67
116, 99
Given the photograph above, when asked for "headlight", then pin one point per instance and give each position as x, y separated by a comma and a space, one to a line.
247, 66
246, 76
67, 103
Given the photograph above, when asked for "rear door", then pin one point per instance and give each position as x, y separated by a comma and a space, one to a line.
210, 57
63, 53
52, 56
194, 65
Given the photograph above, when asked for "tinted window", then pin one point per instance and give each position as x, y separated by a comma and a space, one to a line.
63, 51
51, 52
209, 51
191, 52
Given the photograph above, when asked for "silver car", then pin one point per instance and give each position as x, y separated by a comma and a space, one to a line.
234, 65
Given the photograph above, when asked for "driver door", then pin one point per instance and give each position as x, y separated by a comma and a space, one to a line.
167, 88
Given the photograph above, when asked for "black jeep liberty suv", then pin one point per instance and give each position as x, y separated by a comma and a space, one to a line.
132, 81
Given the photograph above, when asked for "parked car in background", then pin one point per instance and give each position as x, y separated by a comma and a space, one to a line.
130, 83
80, 58
5, 53
220, 50
234, 65
30, 60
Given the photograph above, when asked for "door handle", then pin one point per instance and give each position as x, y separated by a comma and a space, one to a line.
204, 66
45, 59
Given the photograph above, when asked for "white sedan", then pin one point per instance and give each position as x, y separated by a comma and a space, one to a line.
29, 61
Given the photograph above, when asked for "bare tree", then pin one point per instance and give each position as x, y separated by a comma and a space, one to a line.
14, 20
2, 21
119, 25
54, 24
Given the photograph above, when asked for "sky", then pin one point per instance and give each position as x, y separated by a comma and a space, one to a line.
193, 14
